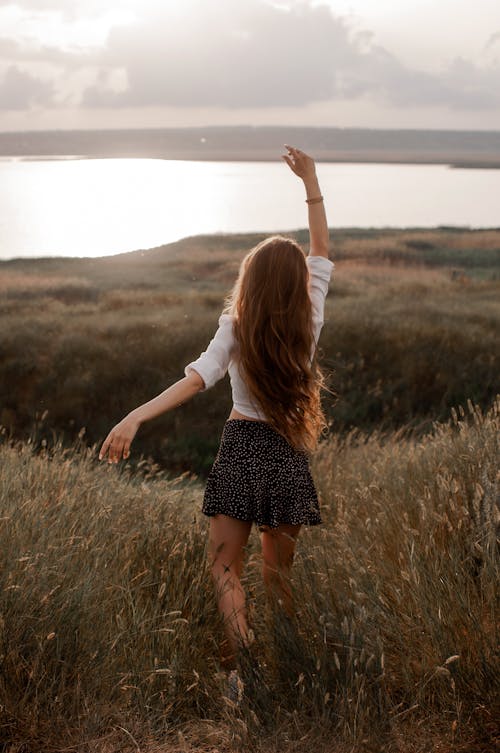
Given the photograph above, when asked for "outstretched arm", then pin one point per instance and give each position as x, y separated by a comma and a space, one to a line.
120, 437
200, 375
303, 166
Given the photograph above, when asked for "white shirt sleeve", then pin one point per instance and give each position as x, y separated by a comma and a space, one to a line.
320, 270
212, 364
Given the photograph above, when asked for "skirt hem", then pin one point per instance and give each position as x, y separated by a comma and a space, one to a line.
293, 522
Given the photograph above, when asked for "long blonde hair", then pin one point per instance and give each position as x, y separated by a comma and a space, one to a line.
273, 327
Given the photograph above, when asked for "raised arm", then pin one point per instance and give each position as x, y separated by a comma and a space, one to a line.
303, 166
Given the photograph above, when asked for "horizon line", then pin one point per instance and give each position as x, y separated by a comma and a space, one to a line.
253, 127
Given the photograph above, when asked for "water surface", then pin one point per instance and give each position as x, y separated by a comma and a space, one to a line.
96, 207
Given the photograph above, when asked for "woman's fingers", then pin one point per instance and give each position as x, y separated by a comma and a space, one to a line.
110, 446
116, 446
297, 154
117, 443
293, 159
288, 161
300, 162
116, 450
104, 447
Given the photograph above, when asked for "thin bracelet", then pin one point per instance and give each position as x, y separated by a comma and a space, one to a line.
316, 200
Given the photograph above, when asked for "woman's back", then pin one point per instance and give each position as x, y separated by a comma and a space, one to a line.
222, 353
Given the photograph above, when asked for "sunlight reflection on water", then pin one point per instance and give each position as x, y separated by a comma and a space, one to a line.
95, 207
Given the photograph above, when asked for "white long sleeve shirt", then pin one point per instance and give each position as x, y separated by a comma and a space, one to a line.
221, 353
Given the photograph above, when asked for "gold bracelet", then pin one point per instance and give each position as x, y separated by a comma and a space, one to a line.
315, 200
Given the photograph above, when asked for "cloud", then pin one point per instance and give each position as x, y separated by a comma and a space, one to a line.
245, 54
69, 9
462, 85
20, 90
250, 54
8, 48
25, 52
492, 39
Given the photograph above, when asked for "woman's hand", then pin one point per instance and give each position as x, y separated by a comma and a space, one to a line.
120, 437
119, 440
301, 164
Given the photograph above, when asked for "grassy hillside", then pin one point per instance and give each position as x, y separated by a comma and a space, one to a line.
411, 330
109, 630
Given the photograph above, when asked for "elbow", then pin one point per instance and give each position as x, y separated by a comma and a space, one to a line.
196, 381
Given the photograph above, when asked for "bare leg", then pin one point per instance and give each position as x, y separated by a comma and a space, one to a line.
227, 539
278, 548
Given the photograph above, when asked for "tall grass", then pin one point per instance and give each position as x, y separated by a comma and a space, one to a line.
110, 637
411, 330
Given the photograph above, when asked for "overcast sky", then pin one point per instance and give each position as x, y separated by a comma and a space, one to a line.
157, 63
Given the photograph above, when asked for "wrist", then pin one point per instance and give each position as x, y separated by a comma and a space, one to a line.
135, 415
311, 184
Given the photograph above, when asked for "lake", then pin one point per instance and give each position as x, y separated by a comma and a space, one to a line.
97, 207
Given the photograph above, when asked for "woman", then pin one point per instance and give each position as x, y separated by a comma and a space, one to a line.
266, 338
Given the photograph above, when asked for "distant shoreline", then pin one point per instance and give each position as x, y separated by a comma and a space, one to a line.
457, 149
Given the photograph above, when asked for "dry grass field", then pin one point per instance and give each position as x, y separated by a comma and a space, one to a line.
109, 632
411, 330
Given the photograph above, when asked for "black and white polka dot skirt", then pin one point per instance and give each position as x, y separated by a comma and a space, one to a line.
257, 475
